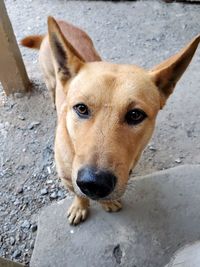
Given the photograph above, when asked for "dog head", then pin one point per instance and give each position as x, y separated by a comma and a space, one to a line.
110, 112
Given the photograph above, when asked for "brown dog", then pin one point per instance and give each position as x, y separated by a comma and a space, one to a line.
106, 112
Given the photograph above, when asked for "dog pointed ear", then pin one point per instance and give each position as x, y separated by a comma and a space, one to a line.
67, 59
166, 75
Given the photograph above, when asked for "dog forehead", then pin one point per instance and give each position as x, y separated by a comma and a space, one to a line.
111, 82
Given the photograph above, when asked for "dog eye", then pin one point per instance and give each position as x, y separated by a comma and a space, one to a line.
82, 110
135, 116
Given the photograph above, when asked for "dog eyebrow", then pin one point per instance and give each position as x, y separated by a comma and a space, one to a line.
131, 104
85, 99
83, 95
138, 104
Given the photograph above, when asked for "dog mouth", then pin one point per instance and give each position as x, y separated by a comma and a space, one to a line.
115, 195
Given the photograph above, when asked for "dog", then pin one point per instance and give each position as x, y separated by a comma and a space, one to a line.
106, 112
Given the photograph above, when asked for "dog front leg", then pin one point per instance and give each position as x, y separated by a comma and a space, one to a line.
78, 211
51, 84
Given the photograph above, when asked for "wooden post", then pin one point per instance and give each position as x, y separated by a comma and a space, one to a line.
13, 75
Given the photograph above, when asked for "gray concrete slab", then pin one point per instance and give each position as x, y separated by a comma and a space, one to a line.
186, 256
161, 214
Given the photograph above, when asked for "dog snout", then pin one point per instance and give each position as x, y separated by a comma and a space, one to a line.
96, 183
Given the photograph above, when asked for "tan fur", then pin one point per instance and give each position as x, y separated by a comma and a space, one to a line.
104, 140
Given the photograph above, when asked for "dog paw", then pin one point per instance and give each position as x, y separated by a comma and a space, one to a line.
76, 215
77, 212
111, 206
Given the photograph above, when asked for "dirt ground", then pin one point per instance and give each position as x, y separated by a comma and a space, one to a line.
142, 33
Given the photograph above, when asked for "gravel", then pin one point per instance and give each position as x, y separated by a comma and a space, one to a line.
142, 33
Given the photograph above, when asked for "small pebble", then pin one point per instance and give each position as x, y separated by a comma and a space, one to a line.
22, 207
6, 228
22, 118
12, 240
22, 247
60, 193
43, 191
34, 228
152, 148
54, 195
18, 237
26, 224
49, 170
178, 160
53, 186
17, 253
32, 244
20, 190
33, 124
17, 202
49, 181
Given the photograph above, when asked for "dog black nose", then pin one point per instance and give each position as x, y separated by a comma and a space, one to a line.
96, 183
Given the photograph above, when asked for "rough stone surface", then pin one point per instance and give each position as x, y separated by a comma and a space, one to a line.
160, 214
